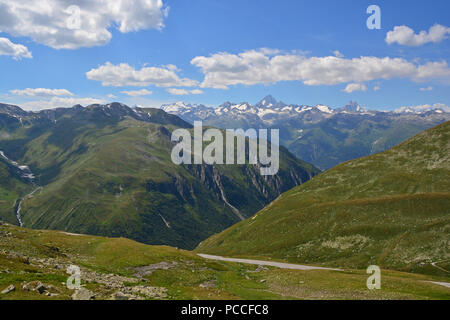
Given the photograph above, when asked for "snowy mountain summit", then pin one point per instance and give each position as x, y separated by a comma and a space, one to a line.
269, 110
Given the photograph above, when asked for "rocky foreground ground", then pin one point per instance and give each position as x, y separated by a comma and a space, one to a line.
39, 264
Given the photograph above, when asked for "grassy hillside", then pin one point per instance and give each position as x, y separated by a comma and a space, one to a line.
118, 268
391, 209
107, 170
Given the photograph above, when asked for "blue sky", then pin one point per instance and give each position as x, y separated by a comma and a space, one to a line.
211, 51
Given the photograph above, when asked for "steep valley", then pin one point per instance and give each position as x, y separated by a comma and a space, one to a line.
106, 170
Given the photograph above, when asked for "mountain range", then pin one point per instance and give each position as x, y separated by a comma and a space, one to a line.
319, 134
107, 170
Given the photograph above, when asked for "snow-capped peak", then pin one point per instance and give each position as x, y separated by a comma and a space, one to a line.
324, 108
352, 107
437, 107
269, 102
176, 107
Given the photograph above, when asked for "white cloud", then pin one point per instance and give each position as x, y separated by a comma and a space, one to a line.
376, 88
172, 67
178, 92
351, 87
338, 54
432, 70
124, 75
423, 108
404, 35
111, 96
17, 51
137, 93
58, 102
222, 70
182, 92
52, 23
41, 92
430, 88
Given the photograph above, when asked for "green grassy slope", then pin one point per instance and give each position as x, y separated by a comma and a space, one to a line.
108, 266
390, 209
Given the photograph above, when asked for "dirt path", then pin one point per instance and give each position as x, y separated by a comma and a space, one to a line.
266, 263
444, 284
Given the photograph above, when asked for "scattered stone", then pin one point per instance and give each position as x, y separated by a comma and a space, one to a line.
83, 294
259, 269
263, 281
120, 296
147, 270
24, 259
40, 288
208, 284
111, 281
150, 292
10, 288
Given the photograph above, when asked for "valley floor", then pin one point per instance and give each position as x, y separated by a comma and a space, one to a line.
33, 265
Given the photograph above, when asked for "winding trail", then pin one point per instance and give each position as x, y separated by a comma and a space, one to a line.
280, 265
437, 267
444, 284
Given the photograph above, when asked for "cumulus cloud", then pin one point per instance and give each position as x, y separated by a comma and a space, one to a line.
405, 36
59, 102
376, 88
64, 24
430, 88
41, 92
137, 93
182, 92
338, 54
423, 108
124, 75
17, 51
351, 87
222, 70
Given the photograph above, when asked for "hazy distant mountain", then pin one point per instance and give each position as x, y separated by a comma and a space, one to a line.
319, 134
